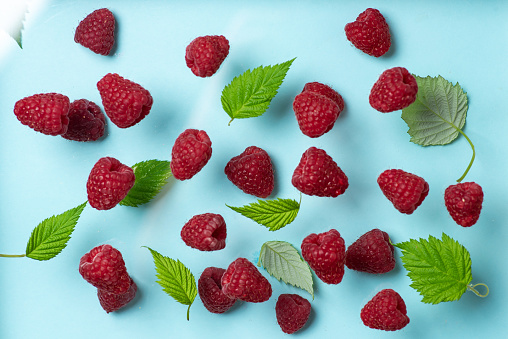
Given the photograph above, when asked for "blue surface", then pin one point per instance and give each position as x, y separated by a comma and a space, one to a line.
464, 41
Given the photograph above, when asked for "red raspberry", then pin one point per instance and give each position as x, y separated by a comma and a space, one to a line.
104, 268
386, 311
252, 172
292, 312
46, 113
369, 33
111, 302
464, 202
86, 121
395, 89
191, 152
371, 253
317, 174
325, 253
210, 291
108, 183
242, 280
97, 31
205, 232
205, 54
405, 190
126, 103
317, 108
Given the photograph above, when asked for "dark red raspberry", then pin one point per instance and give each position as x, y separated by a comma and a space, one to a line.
325, 253
252, 172
242, 280
386, 311
205, 232
111, 302
395, 89
317, 108
317, 174
210, 290
405, 190
97, 31
126, 103
86, 121
104, 268
108, 183
464, 202
46, 113
190, 153
292, 312
369, 33
205, 54
371, 253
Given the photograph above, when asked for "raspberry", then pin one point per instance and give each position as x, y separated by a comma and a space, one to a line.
205, 54
126, 103
369, 33
205, 232
242, 280
386, 311
86, 121
464, 202
104, 268
190, 153
111, 302
371, 253
317, 108
97, 31
405, 190
317, 174
325, 253
46, 113
210, 291
252, 172
395, 89
108, 183
292, 312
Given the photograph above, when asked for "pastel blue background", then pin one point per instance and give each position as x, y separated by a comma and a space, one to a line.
464, 41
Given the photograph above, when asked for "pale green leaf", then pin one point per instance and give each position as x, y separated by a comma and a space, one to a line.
50, 237
282, 261
250, 93
151, 176
274, 214
439, 269
175, 279
12, 18
438, 113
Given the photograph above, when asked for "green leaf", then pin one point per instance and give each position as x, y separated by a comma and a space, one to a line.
50, 237
274, 214
282, 261
250, 93
151, 176
439, 269
12, 17
175, 279
438, 113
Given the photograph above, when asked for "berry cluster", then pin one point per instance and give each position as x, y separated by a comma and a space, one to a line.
104, 268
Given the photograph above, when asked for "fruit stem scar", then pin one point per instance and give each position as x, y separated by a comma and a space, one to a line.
472, 288
472, 158
12, 255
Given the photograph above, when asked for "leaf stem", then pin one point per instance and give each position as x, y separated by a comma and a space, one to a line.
472, 158
473, 289
188, 312
12, 255
230, 121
